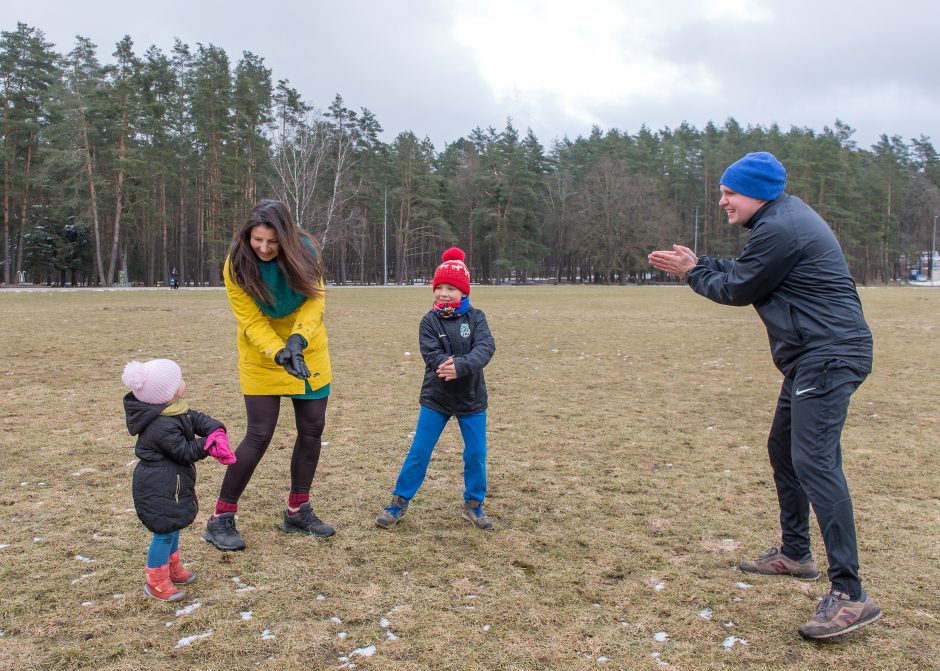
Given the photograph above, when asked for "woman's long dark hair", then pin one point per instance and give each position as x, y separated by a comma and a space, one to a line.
298, 254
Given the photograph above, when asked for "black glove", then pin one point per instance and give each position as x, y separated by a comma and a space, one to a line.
292, 357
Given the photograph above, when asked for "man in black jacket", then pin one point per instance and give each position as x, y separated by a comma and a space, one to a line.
792, 270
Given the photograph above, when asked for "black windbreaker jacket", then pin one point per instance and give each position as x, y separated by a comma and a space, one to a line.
164, 484
792, 270
468, 339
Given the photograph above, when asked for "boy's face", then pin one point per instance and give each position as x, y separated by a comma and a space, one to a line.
447, 293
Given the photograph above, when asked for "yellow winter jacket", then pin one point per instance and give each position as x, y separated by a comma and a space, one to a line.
260, 337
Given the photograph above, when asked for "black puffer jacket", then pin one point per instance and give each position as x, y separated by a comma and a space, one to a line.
468, 339
164, 485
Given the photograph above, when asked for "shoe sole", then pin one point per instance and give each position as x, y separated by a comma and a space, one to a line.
805, 577
294, 530
176, 597
188, 581
854, 627
225, 548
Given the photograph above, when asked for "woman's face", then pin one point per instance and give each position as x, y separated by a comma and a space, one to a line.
264, 242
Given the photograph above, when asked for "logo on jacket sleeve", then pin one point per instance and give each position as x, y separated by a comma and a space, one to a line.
465, 330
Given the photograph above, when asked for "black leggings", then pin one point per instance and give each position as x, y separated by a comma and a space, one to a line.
310, 416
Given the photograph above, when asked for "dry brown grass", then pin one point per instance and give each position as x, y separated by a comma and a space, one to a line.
627, 430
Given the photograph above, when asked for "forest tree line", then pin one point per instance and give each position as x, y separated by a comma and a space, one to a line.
126, 170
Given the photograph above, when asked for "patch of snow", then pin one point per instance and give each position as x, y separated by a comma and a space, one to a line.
342, 635
320, 597
82, 577
731, 640
4, 545
385, 624
38, 539
117, 596
469, 607
601, 660
391, 636
88, 603
246, 614
24, 484
742, 585
84, 559
189, 640
242, 587
186, 610
660, 636
266, 635
729, 625
659, 587
486, 627
364, 652
407, 353
705, 613
336, 620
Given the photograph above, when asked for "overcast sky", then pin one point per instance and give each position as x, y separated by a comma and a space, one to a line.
443, 67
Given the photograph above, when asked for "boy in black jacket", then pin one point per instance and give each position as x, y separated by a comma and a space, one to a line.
456, 344
164, 484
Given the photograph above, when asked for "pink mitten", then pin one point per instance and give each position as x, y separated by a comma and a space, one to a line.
217, 445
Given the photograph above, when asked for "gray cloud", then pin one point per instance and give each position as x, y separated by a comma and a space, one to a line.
869, 64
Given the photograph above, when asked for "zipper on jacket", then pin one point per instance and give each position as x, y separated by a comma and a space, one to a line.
177, 487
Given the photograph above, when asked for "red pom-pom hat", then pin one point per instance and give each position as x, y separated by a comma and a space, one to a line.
453, 270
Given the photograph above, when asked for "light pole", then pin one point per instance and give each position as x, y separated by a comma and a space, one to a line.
933, 247
385, 241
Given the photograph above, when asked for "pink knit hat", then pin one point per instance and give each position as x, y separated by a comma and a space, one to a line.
154, 382
453, 270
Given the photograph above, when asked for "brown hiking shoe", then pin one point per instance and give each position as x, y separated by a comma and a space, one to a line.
395, 510
837, 614
473, 513
774, 562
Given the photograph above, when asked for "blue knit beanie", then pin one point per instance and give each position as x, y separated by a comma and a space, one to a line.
758, 175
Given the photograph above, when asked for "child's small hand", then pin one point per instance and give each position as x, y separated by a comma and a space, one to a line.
447, 370
217, 445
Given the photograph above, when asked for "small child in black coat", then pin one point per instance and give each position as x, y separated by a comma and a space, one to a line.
164, 484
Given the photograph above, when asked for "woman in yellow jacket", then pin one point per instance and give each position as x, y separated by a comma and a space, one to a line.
274, 282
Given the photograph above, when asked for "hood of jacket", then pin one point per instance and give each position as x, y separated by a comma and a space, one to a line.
140, 414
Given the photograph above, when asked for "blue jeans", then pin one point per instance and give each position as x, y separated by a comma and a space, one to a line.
430, 425
806, 455
161, 547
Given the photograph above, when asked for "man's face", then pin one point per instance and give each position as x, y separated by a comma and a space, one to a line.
740, 208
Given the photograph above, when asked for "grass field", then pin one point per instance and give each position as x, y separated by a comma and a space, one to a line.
627, 472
